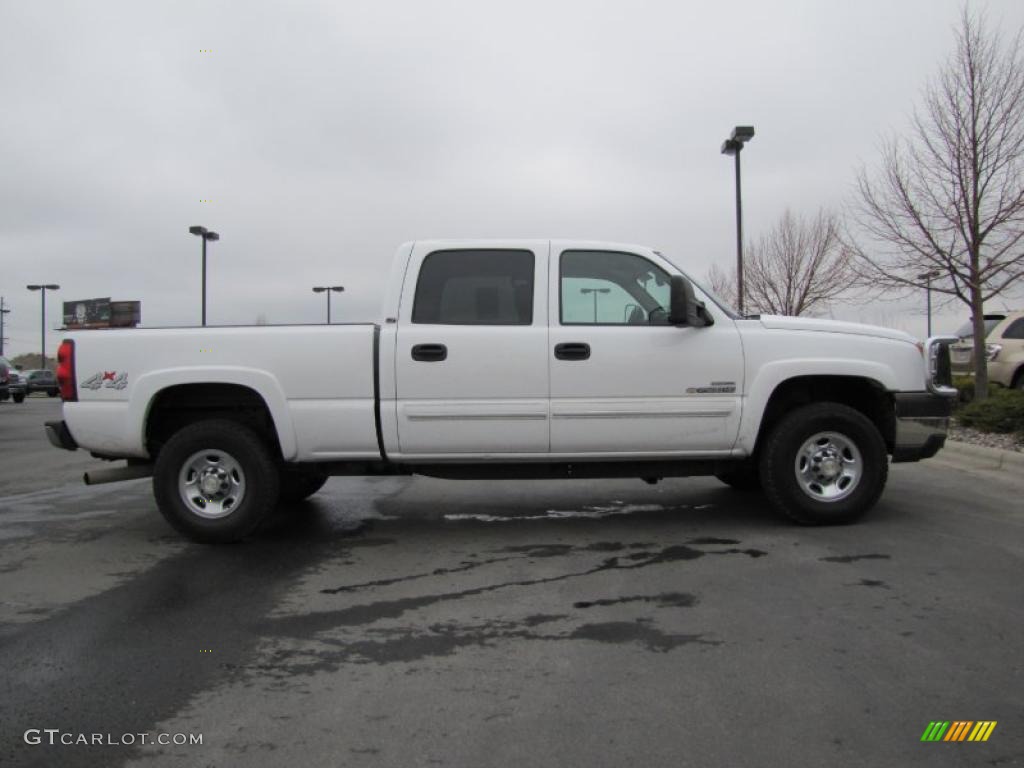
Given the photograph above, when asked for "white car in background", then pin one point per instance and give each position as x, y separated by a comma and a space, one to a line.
1004, 349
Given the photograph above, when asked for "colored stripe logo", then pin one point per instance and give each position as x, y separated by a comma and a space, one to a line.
959, 730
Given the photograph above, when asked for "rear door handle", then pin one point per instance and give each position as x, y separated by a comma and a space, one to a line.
430, 353
573, 350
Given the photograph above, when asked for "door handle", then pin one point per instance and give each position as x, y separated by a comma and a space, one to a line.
430, 353
573, 350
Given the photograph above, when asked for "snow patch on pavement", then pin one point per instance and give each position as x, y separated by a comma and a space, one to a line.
589, 512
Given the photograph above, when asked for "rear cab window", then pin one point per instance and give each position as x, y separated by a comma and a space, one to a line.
475, 287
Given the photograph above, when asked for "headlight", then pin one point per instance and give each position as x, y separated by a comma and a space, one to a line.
992, 351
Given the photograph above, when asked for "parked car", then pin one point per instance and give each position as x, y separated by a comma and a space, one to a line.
41, 381
508, 359
5, 378
1004, 350
16, 385
11, 385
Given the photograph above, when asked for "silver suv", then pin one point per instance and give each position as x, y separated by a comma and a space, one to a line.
1004, 349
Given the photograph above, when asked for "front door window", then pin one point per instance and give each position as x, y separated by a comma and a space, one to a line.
612, 288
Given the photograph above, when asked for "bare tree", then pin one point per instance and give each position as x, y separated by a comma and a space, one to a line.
798, 267
949, 197
722, 284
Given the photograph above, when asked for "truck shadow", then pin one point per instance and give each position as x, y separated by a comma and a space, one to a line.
594, 506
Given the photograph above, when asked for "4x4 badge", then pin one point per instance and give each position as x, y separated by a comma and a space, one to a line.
107, 379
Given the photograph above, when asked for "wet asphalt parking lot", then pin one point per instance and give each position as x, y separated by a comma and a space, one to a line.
417, 622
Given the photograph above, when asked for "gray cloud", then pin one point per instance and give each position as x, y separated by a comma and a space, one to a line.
327, 133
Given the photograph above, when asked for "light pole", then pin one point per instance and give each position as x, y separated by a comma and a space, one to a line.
43, 288
206, 234
927, 277
328, 289
741, 134
3, 311
595, 291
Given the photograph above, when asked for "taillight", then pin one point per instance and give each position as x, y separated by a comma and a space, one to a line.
66, 371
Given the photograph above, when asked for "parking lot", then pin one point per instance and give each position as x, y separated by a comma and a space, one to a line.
401, 622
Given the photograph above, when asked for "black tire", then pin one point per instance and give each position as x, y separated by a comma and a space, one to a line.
780, 453
52, 393
743, 477
18, 398
258, 470
1018, 379
296, 486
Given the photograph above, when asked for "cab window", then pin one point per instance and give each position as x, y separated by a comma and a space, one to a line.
612, 288
475, 287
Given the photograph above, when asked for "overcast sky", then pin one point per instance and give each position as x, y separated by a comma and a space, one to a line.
323, 134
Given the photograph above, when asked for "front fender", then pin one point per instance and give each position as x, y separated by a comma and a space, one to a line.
770, 375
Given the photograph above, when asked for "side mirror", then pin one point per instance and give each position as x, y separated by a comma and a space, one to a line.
685, 309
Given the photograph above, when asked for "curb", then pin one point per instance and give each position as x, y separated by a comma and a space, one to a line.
981, 456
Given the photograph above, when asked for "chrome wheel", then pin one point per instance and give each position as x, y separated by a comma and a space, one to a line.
828, 466
211, 483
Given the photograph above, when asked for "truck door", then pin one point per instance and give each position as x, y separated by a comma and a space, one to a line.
624, 382
471, 366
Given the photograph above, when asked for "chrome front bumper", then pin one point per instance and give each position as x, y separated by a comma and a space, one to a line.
922, 421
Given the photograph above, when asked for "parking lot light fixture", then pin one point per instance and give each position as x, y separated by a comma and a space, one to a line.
595, 291
928, 277
328, 289
740, 135
213, 237
43, 288
3, 311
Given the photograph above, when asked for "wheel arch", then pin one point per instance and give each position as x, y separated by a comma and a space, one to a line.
862, 393
173, 404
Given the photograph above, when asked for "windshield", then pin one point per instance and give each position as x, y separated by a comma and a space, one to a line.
718, 300
967, 329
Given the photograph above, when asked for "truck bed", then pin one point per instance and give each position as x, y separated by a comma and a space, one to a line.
317, 381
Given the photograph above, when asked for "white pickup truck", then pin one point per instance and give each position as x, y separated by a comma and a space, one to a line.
507, 359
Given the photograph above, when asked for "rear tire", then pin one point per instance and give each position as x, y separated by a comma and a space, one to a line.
296, 485
18, 398
52, 393
824, 464
215, 481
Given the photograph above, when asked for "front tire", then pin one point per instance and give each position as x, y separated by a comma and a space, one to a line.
18, 398
824, 464
215, 481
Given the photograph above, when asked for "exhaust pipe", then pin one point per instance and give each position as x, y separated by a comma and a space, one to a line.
116, 475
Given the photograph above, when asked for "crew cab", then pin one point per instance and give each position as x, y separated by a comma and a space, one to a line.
508, 359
